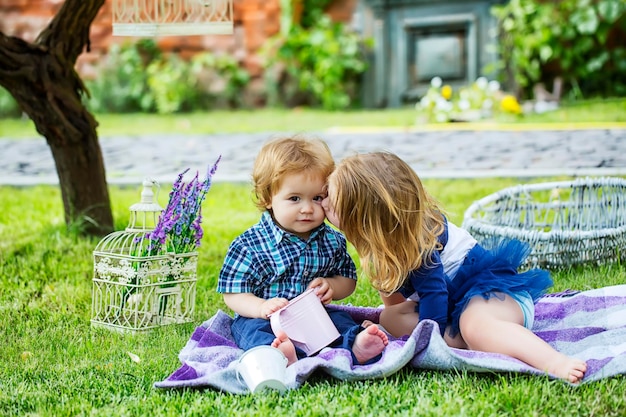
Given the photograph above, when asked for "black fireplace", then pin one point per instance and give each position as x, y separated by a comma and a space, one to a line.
416, 40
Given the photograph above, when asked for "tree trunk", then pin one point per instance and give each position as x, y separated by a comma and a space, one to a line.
42, 79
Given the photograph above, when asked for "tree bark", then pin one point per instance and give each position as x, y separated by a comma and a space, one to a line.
42, 79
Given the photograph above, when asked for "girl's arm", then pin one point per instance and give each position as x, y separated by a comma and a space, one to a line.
431, 286
392, 299
249, 305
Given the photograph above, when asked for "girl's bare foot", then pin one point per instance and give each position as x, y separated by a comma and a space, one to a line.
569, 369
285, 345
369, 343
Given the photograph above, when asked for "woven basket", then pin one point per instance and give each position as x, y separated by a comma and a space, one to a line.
566, 223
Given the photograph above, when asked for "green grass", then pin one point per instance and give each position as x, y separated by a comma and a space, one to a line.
306, 120
53, 363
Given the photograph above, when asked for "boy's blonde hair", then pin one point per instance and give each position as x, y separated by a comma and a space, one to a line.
284, 156
387, 215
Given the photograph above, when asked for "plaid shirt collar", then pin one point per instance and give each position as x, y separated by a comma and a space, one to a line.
273, 229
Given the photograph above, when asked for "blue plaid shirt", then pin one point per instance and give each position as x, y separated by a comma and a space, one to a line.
269, 262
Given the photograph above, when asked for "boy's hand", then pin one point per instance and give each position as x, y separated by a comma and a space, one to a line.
272, 305
323, 289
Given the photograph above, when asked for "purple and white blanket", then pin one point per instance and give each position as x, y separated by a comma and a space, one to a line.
589, 325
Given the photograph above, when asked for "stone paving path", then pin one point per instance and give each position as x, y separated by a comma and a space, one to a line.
444, 153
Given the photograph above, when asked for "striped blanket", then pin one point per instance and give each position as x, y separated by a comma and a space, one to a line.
590, 325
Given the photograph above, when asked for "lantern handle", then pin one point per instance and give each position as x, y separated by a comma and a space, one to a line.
148, 196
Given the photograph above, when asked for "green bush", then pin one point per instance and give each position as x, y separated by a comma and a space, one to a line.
121, 84
220, 79
312, 12
170, 85
138, 77
581, 41
316, 66
8, 105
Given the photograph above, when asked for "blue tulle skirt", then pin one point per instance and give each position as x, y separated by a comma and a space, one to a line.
493, 268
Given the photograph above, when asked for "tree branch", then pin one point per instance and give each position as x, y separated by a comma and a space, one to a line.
14, 70
75, 17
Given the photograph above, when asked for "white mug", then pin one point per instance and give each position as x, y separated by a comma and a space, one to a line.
263, 367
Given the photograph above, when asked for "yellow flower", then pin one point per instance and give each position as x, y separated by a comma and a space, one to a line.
446, 92
509, 104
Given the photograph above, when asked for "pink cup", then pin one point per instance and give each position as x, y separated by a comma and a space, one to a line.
306, 322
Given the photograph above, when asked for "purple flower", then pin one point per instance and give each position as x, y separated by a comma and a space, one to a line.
179, 229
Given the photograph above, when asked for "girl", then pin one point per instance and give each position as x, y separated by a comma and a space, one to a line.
427, 268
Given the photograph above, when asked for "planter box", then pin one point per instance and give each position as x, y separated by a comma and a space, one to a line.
133, 293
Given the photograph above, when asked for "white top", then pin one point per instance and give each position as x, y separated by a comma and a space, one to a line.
459, 244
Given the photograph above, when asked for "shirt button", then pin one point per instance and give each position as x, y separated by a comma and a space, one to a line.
306, 273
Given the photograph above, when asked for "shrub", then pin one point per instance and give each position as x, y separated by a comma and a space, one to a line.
220, 79
8, 105
121, 84
320, 65
582, 41
137, 77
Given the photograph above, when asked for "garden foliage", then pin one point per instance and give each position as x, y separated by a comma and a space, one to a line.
313, 61
8, 105
582, 41
479, 100
318, 66
138, 77
318, 63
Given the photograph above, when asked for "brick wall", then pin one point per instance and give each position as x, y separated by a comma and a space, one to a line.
255, 21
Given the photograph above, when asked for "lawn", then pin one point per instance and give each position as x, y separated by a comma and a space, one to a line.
601, 112
53, 363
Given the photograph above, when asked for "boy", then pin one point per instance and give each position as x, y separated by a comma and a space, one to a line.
291, 249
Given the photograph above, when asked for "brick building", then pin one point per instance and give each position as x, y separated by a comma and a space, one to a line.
413, 39
254, 22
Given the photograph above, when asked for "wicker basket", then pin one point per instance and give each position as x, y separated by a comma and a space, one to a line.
566, 223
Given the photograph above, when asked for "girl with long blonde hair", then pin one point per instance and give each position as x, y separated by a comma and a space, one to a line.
425, 267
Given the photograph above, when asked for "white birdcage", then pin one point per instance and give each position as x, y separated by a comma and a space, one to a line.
134, 288
146, 18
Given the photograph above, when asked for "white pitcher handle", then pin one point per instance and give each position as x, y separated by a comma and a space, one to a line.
238, 375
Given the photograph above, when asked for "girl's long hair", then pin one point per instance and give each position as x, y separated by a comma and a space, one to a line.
387, 215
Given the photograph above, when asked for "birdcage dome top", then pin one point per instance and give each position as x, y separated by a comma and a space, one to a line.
134, 240
125, 243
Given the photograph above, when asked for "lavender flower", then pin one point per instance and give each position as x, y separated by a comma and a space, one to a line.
179, 228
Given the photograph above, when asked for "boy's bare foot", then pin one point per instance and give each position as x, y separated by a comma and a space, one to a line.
367, 323
285, 345
369, 343
569, 369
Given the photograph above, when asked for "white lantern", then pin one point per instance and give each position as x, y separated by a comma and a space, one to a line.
136, 287
148, 18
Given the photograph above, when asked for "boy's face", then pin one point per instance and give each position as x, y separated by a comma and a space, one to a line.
297, 205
